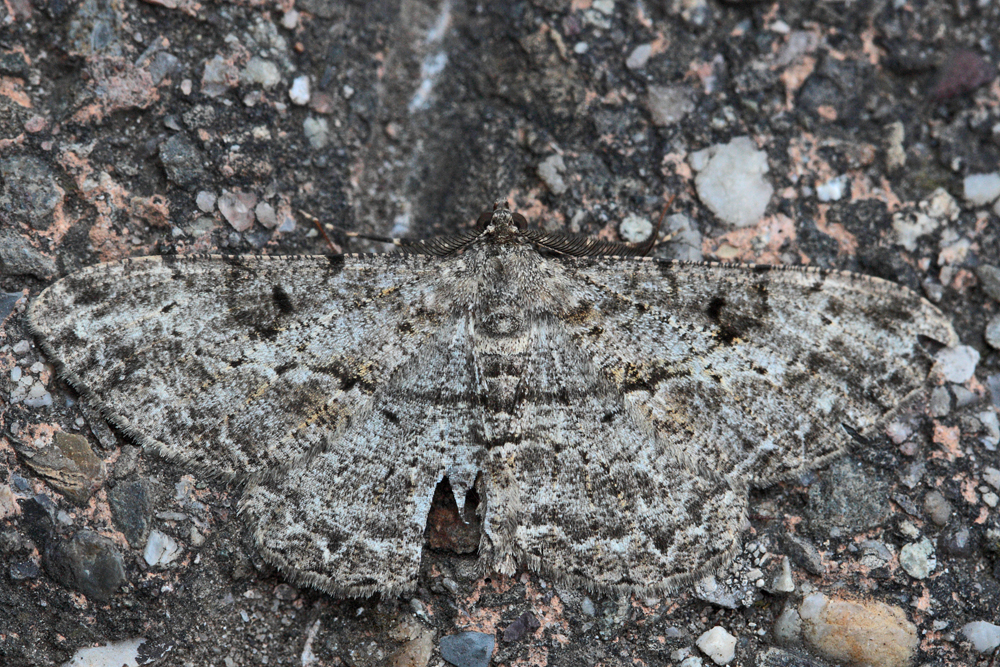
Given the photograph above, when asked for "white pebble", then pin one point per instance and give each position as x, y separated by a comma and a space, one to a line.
956, 364
985, 637
991, 423
981, 189
580, 48
550, 170
205, 201
290, 20
266, 216
299, 92
732, 182
161, 549
639, 56
832, 190
718, 645
635, 228
317, 131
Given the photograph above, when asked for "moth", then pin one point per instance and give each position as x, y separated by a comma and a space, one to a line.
610, 409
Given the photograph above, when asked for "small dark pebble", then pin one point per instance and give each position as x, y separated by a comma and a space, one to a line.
468, 649
131, 508
19, 258
22, 571
7, 302
907, 504
963, 72
956, 541
524, 624
37, 520
803, 554
88, 562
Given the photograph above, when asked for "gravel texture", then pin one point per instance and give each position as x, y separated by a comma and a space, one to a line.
134, 128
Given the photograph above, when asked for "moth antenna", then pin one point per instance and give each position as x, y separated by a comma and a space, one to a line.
653, 241
313, 219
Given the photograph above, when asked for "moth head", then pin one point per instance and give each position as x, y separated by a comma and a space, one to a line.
501, 223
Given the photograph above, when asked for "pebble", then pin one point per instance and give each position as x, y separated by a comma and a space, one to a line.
290, 19
803, 553
317, 132
991, 425
205, 201
8, 301
783, 582
918, 558
266, 215
992, 333
635, 228
161, 549
299, 92
981, 189
940, 402
832, 190
19, 258
219, 77
956, 541
182, 161
8, 503
788, 627
23, 570
70, 466
525, 624
731, 182
262, 72
718, 645
468, 649
937, 507
550, 171
237, 209
908, 229
89, 563
668, 105
639, 56
870, 633
956, 364
989, 278
992, 477
587, 607
963, 397
685, 240
125, 653
131, 506
30, 191
874, 554
985, 637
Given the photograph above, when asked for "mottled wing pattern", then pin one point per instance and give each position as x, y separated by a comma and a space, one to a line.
239, 365
589, 493
351, 519
752, 371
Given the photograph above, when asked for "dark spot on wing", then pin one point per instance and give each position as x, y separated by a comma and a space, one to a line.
282, 301
855, 435
762, 268
285, 367
167, 308
390, 415
405, 327
336, 263
715, 306
647, 377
